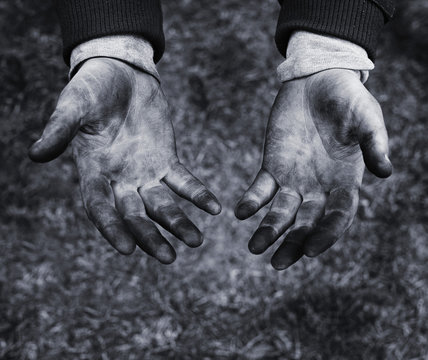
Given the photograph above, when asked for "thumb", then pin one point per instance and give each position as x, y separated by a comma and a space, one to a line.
373, 137
61, 127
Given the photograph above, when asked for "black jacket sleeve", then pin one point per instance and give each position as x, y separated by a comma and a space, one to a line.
83, 20
359, 21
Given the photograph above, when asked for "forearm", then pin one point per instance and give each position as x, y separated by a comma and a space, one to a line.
84, 20
358, 21
307, 52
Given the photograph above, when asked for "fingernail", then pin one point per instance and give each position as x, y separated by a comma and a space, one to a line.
283, 263
215, 207
246, 209
36, 143
385, 168
387, 158
190, 235
316, 245
279, 266
165, 254
311, 251
261, 240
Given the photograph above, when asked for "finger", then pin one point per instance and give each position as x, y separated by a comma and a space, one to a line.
146, 234
97, 195
291, 249
373, 137
261, 191
162, 209
184, 184
61, 127
340, 210
279, 218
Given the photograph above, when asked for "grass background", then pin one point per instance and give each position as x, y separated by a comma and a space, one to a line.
65, 294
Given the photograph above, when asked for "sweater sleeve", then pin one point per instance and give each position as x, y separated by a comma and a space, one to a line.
127, 48
358, 21
309, 53
83, 20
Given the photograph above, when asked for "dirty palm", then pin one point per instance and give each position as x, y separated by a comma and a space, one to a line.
117, 120
123, 143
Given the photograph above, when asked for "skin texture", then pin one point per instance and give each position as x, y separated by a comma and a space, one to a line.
117, 120
321, 131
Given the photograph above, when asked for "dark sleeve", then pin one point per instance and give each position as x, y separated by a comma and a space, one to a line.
83, 20
359, 21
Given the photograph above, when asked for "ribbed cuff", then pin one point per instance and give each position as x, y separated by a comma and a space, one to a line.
130, 49
83, 20
359, 21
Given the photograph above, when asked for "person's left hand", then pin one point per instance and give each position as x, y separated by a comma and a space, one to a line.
320, 129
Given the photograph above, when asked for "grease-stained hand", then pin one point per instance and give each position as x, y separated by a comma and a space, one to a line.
321, 131
123, 143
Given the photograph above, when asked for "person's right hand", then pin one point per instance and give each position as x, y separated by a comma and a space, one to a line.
117, 119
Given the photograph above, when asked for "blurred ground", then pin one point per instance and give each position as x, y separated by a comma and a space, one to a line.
65, 294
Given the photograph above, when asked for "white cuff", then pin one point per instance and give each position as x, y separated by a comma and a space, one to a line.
128, 48
309, 53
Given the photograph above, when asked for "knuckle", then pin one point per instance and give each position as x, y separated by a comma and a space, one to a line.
200, 195
179, 221
134, 215
163, 209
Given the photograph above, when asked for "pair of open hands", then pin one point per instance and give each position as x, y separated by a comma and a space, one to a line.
321, 130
